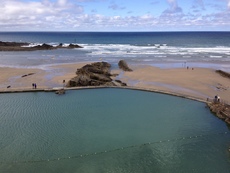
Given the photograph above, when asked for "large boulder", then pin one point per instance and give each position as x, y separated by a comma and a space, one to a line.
124, 66
95, 74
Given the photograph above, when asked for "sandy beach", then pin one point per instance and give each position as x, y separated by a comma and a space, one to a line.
53, 76
199, 82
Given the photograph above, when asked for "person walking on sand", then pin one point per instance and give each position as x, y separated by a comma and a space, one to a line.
35, 86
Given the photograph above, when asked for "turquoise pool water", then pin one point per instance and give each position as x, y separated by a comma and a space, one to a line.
109, 130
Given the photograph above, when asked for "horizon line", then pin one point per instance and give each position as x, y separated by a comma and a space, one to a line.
116, 31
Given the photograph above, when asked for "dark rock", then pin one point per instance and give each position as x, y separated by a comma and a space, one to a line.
61, 91
100, 77
110, 84
121, 83
95, 74
221, 110
227, 120
15, 46
71, 83
43, 47
24, 75
124, 66
114, 75
27, 74
12, 46
72, 46
8, 86
223, 73
80, 80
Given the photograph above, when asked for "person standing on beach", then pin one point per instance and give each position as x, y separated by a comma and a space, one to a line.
35, 86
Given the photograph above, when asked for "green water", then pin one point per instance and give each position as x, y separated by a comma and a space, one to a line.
109, 130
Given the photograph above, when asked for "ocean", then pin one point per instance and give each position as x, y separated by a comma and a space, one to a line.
161, 49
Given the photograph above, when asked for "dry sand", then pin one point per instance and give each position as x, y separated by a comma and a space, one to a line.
200, 82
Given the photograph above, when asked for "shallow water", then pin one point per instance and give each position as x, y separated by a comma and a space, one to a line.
110, 130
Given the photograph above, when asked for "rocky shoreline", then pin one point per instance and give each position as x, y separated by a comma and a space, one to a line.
20, 46
221, 110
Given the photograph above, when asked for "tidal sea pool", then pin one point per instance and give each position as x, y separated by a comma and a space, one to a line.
109, 131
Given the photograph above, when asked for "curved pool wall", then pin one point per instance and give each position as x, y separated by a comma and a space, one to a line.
17, 90
109, 130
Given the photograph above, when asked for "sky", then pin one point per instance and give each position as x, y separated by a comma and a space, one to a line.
115, 15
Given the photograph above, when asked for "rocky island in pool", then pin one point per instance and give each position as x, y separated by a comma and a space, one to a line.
17, 46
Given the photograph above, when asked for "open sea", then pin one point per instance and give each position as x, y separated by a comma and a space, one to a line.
161, 49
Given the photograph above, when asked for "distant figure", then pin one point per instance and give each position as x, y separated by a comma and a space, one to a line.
63, 84
187, 67
35, 86
216, 99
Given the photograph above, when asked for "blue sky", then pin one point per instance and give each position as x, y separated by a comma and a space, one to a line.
115, 15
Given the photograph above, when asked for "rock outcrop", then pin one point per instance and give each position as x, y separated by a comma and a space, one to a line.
223, 73
121, 83
73, 46
43, 47
124, 66
221, 110
14, 46
95, 74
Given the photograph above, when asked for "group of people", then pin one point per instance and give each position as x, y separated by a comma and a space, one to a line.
34, 85
216, 99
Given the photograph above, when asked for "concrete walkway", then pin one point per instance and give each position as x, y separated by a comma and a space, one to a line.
204, 100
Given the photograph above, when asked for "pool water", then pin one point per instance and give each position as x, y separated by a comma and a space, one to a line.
110, 130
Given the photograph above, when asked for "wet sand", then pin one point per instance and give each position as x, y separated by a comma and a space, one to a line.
200, 82
51, 77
